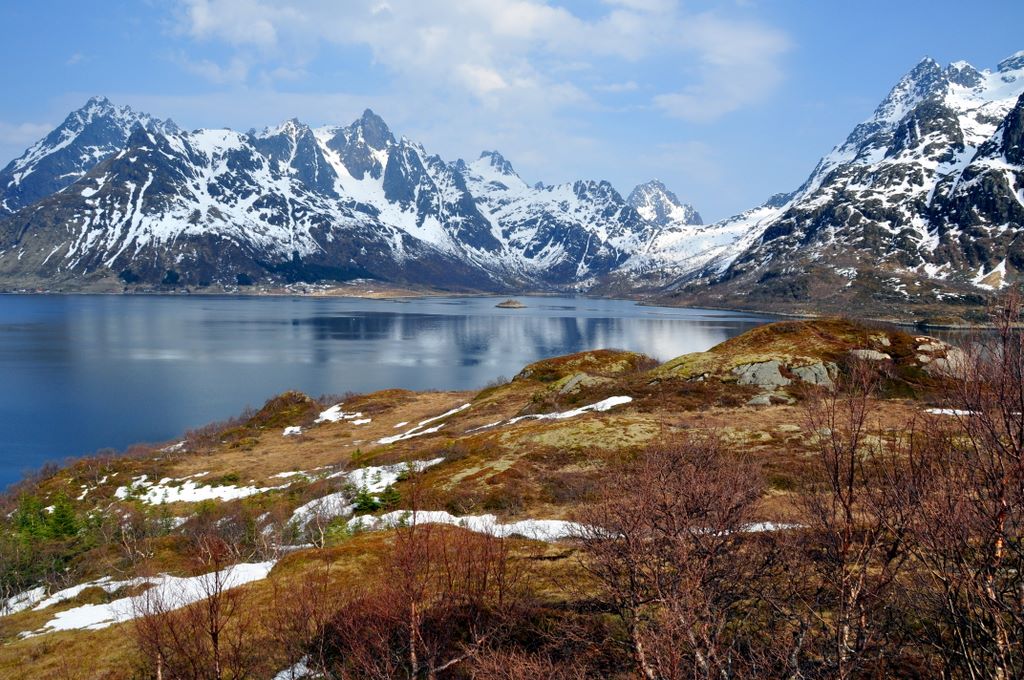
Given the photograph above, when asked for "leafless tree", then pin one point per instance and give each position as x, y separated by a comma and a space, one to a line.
299, 611
968, 530
853, 545
210, 639
443, 596
669, 552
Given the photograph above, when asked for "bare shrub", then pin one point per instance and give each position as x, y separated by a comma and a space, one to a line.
967, 530
669, 554
211, 639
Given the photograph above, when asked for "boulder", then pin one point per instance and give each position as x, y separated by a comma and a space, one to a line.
579, 381
950, 365
816, 374
763, 374
870, 355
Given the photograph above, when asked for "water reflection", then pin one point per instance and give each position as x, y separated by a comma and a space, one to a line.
80, 373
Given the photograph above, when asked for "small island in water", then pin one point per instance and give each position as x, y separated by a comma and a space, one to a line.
511, 304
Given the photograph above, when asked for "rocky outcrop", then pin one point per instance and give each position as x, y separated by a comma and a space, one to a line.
869, 355
763, 374
821, 374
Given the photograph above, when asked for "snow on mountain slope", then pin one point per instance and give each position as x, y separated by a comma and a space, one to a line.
87, 136
916, 202
166, 206
657, 204
207, 206
571, 231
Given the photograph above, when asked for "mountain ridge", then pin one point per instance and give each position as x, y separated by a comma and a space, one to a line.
920, 207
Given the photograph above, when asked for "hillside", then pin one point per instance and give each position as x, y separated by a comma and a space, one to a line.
306, 494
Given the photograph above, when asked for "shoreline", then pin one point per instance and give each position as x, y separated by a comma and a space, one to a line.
401, 293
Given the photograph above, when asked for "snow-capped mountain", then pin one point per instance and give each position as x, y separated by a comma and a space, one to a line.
657, 204
87, 136
923, 203
291, 202
571, 231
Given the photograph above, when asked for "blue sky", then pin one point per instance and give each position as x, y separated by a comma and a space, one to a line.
727, 102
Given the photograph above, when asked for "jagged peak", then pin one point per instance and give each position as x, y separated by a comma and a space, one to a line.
963, 73
97, 101
1014, 62
372, 130
925, 79
292, 127
657, 203
498, 162
99, 106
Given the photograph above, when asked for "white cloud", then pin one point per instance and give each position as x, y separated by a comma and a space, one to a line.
627, 86
739, 65
645, 5
22, 134
499, 51
235, 71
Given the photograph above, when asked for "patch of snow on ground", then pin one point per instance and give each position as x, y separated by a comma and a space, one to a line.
537, 529
485, 427
603, 405
373, 479
172, 592
947, 412
335, 414
169, 490
22, 601
292, 430
105, 583
296, 672
419, 431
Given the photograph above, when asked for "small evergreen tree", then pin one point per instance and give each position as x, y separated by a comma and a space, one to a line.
62, 522
389, 497
365, 501
30, 518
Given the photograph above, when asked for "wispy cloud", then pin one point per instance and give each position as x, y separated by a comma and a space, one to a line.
739, 64
22, 134
627, 86
499, 51
235, 71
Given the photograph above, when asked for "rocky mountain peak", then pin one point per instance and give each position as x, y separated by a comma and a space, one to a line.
962, 73
86, 137
498, 162
1014, 62
373, 130
922, 81
656, 203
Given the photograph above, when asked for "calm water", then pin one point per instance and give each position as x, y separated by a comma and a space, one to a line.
80, 373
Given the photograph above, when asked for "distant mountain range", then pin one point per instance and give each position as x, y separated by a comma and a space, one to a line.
114, 193
921, 206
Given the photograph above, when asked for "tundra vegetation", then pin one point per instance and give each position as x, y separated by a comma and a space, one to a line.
814, 499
